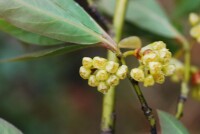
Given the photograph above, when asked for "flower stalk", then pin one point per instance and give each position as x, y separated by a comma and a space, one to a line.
108, 114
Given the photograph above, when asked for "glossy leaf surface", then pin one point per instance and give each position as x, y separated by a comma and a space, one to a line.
25, 36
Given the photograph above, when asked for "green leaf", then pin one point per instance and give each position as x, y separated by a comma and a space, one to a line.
63, 20
131, 42
146, 14
25, 36
7, 128
186, 6
45, 53
170, 125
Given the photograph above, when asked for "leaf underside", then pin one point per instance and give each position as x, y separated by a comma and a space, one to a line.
170, 125
45, 53
7, 128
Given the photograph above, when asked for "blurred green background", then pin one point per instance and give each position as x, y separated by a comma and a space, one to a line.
47, 96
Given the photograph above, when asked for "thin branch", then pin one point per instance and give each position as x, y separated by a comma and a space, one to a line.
144, 106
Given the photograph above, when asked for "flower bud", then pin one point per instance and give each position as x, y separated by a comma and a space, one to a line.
195, 31
193, 19
149, 81
165, 55
149, 57
159, 78
112, 67
155, 67
169, 70
122, 72
101, 75
92, 81
137, 74
113, 80
84, 72
87, 62
103, 87
158, 45
99, 62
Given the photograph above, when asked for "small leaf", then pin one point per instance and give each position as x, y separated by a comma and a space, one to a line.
132, 42
7, 128
170, 125
146, 14
25, 36
45, 53
62, 20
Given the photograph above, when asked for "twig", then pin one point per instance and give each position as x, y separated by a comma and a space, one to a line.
144, 106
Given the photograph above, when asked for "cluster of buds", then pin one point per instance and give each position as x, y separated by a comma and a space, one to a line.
102, 73
194, 20
154, 64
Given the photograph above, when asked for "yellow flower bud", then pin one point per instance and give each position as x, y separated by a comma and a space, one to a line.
158, 45
87, 62
92, 81
149, 81
84, 72
149, 57
103, 87
99, 62
193, 18
159, 78
137, 74
169, 70
113, 80
195, 31
112, 67
155, 67
122, 72
101, 75
165, 55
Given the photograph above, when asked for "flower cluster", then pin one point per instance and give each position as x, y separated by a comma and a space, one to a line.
102, 73
154, 64
194, 20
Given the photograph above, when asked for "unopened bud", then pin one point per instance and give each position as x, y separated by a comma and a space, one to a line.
195, 31
193, 18
99, 62
169, 70
87, 62
113, 80
149, 57
165, 55
159, 78
92, 81
101, 75
112, 67
103, 87
122, 72
149, 81
158, 45
137, 74
84, 72
155, 67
